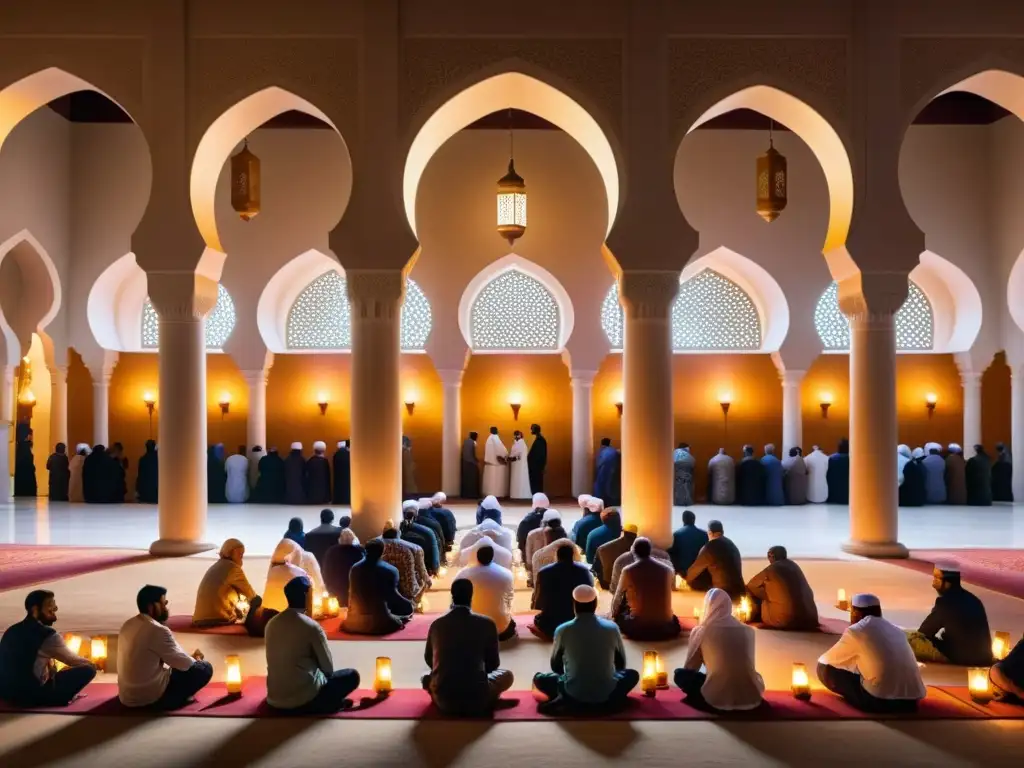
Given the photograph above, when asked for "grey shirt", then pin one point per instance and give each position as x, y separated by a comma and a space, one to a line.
298, 659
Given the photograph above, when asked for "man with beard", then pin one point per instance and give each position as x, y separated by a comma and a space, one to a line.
29, 651
147, 482
270, 487
537, 459
295, 476
318, 474
342, 473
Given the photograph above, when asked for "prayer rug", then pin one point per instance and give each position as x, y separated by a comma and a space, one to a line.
22, 565
825, 626
999, 710
519, 705
1001, 570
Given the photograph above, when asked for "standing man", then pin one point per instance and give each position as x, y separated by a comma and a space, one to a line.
794, 477
773, 493
469, 486
721, 478
606, 476
318, 470
237, 468
817, 476
270, 488
750, 477
495, 466
978, 474
295, 476
342, 474
59, 468
519, 477
255, 455
537, 460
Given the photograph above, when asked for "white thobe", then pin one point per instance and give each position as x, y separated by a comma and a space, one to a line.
493, 591
495, 474
878, 651
496, 533
519, 485
467, 555
237, 468
817, 484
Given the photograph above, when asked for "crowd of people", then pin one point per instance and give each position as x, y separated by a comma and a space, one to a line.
928, 475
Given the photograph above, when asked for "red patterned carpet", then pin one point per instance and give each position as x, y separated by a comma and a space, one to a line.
22, 565
1001, 570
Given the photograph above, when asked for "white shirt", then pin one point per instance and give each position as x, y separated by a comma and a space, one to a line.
467, 555
146, 654
492, 530
817, 482
878, 651
277, 577
298, 659
726, 650
493, 590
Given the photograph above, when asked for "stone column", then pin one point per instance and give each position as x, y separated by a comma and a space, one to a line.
582, 431
971, 383
256, 424
1017, 428
6, 419
182, 301
792, 411
874, 500
376, 298
451, 431
59, 406
101, 408
647, 423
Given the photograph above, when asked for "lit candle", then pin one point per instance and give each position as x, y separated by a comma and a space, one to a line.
333, 609
978, 684
423, 605
318, 606
98, 652
801, 684
659, 666
382, 678
241, 606
1000, 645
841, 602
679, 582
233, 677
649, 678
743, 609
74, 643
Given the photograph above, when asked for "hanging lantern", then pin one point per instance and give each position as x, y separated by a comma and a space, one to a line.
245, 183
772, 182
511, 198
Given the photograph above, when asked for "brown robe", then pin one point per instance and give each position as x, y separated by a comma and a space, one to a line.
956, 479
642, 606
786, 599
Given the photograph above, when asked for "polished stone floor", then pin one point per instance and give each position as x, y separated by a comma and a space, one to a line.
815, 530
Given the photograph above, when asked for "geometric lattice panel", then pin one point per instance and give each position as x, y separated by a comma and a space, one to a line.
219, 323
514, 311
915, 321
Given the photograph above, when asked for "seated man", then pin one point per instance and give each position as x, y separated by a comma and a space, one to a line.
323, 537
222, 585
490, 527
29, 651
300, 670
445, 517
592, 508
422, 537
872, 666
531, 521
588, 661
960, 618
687, 542
426, 519
718, 565
609, 530
1007, 676
493, 591
608, 553
152, 669
407, 558
375, 605
489, 509
627, 558
553, 590
554, 537
642, 605
465, 677
780, 595
338, 562
536, 538
467, 555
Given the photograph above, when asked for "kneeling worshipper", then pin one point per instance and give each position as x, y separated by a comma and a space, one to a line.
872, 665
593, 507
718, 565
609, 530
642, 606
794, 477
285, 565
445, 517
323, 537
979, 478
956, 476
318, 475
491, 527
627, 558
237, 470
749, 479
683, 465
838, 474
295, 479
255, 455
223, 584
774, 496
489, 509
493, 591
536, 539
724, 647
76, 492
608, 553
554, 537
502, 556
270, 487
152, 669
413, 579
301, 678
375, 606
295, 532
1007, 676
934, 474
956, 631
59, 468
914, 488
780, 595
721, 478
531, 521
687, 543
465, 677
553, 590
338, 563
147, 480
423, 518
588, 662
29, 652
1002, 474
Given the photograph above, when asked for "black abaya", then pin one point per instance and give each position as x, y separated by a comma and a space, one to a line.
24, 470
536, 461
342, 481
147, 482
59, 467
216, 478
318, 477
270, 485
295, 478
750, 482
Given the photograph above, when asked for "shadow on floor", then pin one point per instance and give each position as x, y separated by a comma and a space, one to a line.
440, 742
77, 737
257, 739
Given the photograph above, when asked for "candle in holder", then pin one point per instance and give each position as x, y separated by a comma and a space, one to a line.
1000, 645
332, 609
382, 677
318, 606
743, 609
801, 683
74, 643
649, 675
98, 652
233, 676
978, 684
841, 602
659, 667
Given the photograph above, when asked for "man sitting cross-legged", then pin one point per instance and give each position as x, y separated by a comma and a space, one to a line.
642, 606
375, 604
29, 651
588, 662
554, 588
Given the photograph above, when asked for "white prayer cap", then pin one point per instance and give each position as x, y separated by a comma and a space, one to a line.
865, 600
490, 502
929, 447
296, 446
584, 593
319, 445
81, 447
955, 448
918, 452
440, 497
595, 504
549, 515
410, 504
583, 499
947, 567
425, 502
341, 443
541, 500
903, 450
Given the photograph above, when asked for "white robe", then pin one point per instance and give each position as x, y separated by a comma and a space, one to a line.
495, 474
237, 468
817, 484
519, 485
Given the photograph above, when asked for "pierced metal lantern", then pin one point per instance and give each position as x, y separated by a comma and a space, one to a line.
245, 183
771, 183
511, 205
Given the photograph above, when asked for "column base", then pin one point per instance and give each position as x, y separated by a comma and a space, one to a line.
178, 547
878, 549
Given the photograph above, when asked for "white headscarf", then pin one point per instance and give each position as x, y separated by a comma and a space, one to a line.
904, 450
348, 536
549, 515
490, 502
286, 551
439, 498
540, 501
955, 448
717, 610
410, 504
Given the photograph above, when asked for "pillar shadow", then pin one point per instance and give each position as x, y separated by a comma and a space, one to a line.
257, 739
440, 742
608, 738
78, 736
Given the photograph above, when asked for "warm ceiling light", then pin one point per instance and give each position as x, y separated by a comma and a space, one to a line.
511, 197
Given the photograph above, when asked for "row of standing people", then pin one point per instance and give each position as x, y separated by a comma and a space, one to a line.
266, 478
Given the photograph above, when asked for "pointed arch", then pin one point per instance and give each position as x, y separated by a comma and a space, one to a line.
30, 295
514, 90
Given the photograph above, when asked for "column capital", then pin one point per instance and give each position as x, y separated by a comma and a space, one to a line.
181, 296
648, 293
58, 373
451, 377
582, 378
792, 378
255, 377
872, 298
375, 294
970, 379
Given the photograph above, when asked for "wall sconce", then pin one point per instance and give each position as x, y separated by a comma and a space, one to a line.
225, 404
321, 401
618, 407
725, 400
150, 400
410, 406
930, 401
516, 402
826, 402
27, 398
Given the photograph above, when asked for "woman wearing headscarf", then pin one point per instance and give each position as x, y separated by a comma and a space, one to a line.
338, 561
221, 587
75, 466
724, 647
285, 565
